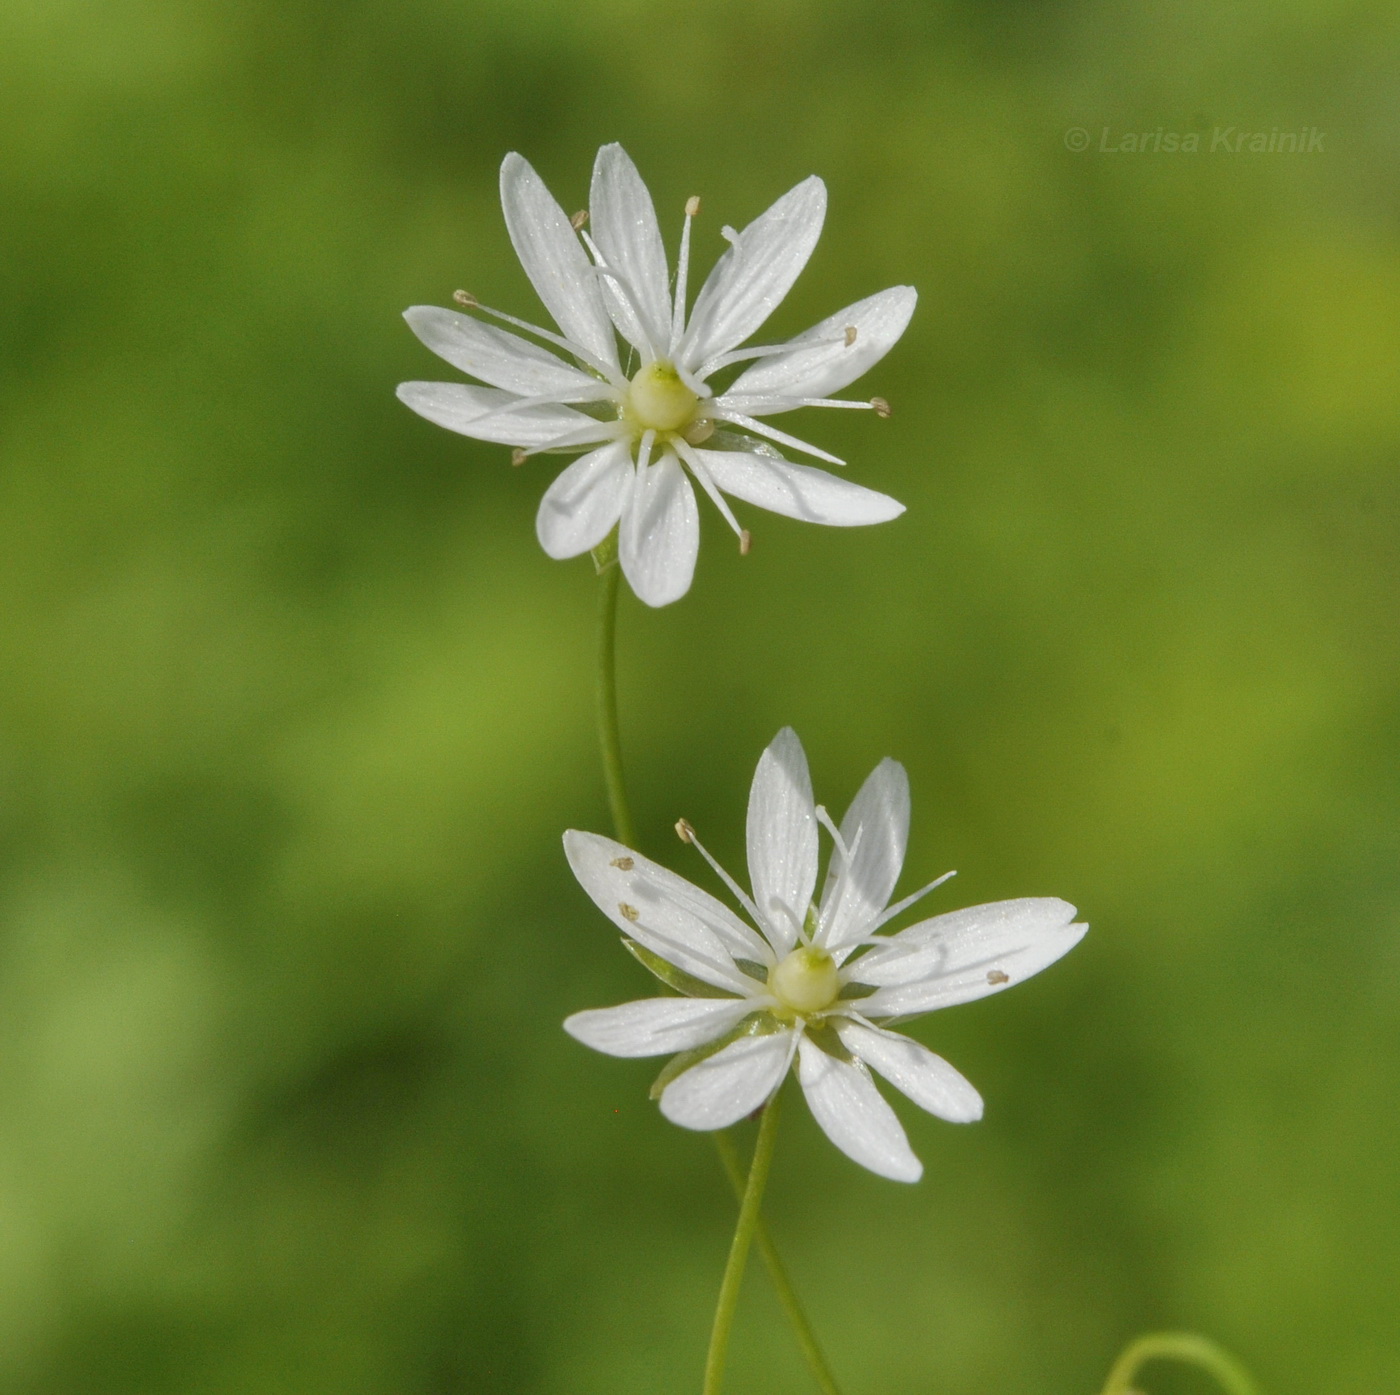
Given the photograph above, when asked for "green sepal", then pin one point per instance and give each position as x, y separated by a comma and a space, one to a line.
854, 990
822, 1034
605, 554
673, 977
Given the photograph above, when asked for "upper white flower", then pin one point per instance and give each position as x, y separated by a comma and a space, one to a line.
640, 420
813, 981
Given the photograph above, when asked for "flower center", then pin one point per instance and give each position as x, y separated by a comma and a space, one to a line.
657, 399
806, 981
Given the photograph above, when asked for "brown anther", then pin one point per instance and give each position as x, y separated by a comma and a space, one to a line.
628, 912
519, 455
996, 976
579, 219
692, 206
684, 831
466, 298
850, 335
882, 408
623, 864
745, 542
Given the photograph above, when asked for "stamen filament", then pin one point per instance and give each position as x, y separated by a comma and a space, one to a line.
739, 894
558, 340
697, 468
901, 906
713, 365
723, 413
692, 207
627, 292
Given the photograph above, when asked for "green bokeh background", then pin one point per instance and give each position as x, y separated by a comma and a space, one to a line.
293, 709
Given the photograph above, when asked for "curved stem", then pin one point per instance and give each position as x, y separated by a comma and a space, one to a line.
777, 1271
609, 575
739, 1248
1194, 1350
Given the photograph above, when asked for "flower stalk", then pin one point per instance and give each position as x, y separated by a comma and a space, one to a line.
739, 1248
609, 734
1187, 1347
777, 1271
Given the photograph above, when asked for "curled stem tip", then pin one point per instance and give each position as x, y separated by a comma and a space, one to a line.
1188, 1347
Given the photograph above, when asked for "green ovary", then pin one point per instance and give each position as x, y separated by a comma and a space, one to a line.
806, 981
657, 399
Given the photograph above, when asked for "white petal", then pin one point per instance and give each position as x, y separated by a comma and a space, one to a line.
660, 534
966, 954
461, 408
798, 491
927, 1079
821, 369
755, 273
656, 1026
876, 827
579, 509
623, 222
501, 359
782, 839
722, 1088
684, 925
554, 259
844, 1101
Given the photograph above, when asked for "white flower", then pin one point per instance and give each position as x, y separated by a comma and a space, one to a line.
813, 982
645, 424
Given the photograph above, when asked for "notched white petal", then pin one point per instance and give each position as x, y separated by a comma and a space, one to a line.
627, 233
967, 954
723, 1088
782, 839
656, 1026
501, 359
876, 831
844, 1101
489, 414
817, 369
757, 271
667, 914
580, 507
912, 1068
659, 539
798, 491
548, 247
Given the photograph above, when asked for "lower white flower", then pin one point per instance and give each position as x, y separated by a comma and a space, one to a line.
814, 982
649, 418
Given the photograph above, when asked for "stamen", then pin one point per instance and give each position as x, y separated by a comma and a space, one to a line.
745, 543
781, 437
850, 335
545, 399
644, 453
604, 370
578, 220
697, 468
519, 456
769, 402
739, 895
882, 408
692, 208
901, 906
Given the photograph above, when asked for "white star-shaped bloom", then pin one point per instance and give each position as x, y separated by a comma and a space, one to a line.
813, 982
645, 419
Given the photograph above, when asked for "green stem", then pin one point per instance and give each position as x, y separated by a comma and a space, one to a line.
609, 574
1179, 1346
739, 1248
777, 1271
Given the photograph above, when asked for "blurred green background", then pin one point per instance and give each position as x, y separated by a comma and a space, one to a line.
293, 709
